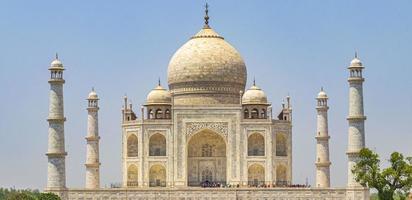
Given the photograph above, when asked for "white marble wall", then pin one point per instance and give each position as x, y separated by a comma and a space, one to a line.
92, 149
217, 194
56, 175
356, 132
224, 121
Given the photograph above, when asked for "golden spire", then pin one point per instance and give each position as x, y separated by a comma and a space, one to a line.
206, 16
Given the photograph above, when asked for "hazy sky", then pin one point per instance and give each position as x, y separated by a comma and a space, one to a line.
123, 47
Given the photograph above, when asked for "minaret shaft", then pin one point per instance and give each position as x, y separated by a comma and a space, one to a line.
92, 147
356, 118
322, 143
56, 170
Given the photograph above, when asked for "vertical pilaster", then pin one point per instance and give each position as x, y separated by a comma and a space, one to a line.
322, 142
92, 157
56, 154
356, 118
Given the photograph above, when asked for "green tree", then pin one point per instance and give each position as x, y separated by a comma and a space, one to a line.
48, 196
396, 179
21, 196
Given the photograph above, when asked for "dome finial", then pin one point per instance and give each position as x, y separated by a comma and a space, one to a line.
159, 82
57, 56
92, 89
321, 88
206, 16
356, 54
254, 81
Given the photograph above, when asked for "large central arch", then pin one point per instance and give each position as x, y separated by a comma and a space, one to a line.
206, 158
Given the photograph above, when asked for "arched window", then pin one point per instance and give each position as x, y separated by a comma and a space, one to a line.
132, 176
256, 175
167, 114
157, 145
281, 175
281, 146
157, 176
207, 175
151, 114
255, 113
206, 150
158, 114
256, 145
246, 114
132, 145
263, 114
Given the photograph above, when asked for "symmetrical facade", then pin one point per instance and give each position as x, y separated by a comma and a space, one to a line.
205, 129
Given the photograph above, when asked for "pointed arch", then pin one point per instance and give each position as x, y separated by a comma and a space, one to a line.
281, 175
281, 145
256, 175
167, 114
263, 114
157, 176
246, 113
132, 146
255, 113
132, 176
256, 145
159, 114
206, 161
157, 145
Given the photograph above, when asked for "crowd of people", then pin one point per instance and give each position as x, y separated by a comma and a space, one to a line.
210, 184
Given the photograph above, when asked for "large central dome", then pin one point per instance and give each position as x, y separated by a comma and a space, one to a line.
206, 70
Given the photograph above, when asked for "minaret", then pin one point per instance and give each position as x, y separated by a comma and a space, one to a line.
92, 138
322, 142
356, 118
56, 154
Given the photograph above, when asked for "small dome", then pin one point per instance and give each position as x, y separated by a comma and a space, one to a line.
93, 95
159, 95
356, 62
56, 63
322, 94
254, 95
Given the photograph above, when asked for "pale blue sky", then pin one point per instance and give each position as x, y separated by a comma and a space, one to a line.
124, 46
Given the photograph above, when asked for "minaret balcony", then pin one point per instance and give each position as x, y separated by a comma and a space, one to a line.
323, 164
356, 118
356, 79
322, 137
56, 154
92, 138
92, 165
55, 80
56, 119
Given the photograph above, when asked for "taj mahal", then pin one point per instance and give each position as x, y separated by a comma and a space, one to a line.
206, 135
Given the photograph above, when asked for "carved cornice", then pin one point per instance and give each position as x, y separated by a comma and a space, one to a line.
220, 128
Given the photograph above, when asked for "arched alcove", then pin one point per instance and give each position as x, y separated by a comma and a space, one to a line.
132, 176
157, 176
132, 146
256, 175
256, 145
206, 158
157, 145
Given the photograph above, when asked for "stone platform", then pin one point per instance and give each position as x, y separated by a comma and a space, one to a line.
215, 193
